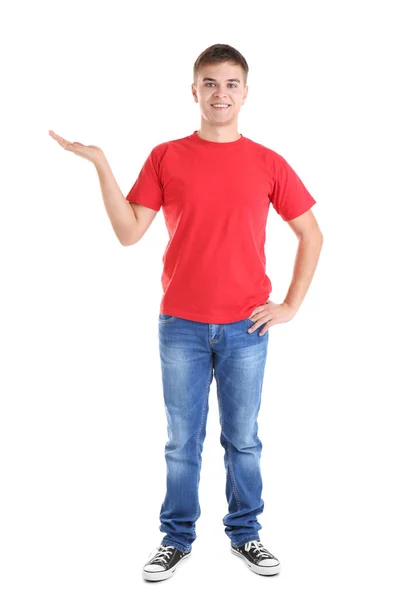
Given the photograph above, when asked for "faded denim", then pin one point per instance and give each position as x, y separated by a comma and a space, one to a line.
191, 353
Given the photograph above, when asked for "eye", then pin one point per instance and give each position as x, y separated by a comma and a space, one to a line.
211, 83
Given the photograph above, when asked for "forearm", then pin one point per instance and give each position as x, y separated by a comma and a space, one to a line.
119, 210
306, 260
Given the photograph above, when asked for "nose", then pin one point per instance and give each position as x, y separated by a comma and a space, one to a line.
219, 93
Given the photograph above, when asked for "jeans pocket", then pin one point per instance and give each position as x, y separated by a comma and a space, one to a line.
166, 318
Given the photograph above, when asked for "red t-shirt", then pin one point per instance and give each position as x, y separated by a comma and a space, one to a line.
215, 198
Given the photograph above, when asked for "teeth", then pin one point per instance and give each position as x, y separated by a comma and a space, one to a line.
221, 105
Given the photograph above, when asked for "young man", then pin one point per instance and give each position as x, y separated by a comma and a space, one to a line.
215, 188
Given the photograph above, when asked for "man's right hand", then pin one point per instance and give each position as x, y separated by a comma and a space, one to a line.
92, 153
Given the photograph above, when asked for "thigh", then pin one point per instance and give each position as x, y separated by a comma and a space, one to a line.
239, 366
187, 371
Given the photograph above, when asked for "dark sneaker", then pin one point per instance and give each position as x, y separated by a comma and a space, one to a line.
162, 562
258, 559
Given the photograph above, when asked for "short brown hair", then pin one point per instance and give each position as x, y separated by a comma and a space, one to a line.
219, 53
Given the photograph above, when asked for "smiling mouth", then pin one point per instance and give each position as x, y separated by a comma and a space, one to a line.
221, 107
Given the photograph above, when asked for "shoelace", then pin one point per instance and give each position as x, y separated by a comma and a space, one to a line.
163, 553
258, 547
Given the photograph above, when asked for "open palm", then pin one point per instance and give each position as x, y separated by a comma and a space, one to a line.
91, 153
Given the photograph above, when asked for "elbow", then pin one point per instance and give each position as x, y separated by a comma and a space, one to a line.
128, 241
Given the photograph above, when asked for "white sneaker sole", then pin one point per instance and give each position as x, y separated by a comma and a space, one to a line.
260, 570
159, 575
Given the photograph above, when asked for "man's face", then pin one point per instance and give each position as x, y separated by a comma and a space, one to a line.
220, 84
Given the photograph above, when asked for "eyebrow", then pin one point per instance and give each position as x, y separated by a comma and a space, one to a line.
211, 79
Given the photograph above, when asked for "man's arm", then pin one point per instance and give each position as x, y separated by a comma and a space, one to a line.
145, 216
121, 214
310, 244
128, 219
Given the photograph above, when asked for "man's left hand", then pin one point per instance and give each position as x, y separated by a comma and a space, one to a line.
271, 314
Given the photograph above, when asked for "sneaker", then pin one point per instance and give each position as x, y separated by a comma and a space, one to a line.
162, 562
258, 559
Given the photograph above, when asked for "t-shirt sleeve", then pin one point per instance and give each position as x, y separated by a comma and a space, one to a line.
289, 196
147, 189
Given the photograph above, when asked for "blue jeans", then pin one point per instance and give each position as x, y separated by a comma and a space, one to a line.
190, 353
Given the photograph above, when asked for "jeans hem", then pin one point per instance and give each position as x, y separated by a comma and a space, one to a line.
178, 545
243, 541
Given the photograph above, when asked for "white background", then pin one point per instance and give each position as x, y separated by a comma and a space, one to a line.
82, 413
